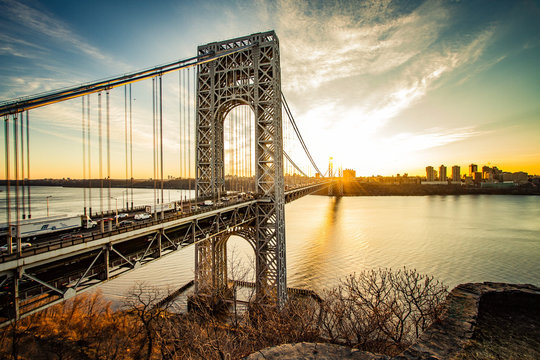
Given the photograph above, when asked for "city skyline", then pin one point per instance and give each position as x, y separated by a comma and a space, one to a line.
380, 86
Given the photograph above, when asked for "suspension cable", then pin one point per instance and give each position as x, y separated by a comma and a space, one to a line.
161, 140
293, 163
28, 161
22, 168
189, 132
102, 225
8, 195
131, 143
16, 169
180, 130
108, 159
83, 151
89, 155
35, 101
293, 123
154, 139
126, 144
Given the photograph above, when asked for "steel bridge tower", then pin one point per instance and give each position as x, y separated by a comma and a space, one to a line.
250, 76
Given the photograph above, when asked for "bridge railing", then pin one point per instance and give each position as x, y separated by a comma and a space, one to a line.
76, 239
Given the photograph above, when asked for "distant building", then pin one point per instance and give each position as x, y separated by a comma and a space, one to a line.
456, 173
430, 173
506, 176
477, 177
520, 177
349, 174
442, 173
472, 169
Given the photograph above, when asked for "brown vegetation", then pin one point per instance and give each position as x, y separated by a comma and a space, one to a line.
376, 310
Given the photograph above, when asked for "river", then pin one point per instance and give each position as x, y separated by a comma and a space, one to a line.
457, 239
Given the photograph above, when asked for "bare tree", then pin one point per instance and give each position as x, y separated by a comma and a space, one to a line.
151, 312
381, 310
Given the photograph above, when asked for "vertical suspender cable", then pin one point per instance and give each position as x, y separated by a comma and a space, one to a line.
108, 160
28, 161
154, 138
249, 147
8, 204
235, 148
126, 145
22, 167
89, 156
244, 152
83, 152
16, 169
189, 134
180, 130
184, 101
131, 144
100, 164
231, 152
242, 144
161, 140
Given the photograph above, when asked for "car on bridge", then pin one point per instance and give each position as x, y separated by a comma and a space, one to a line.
126, 223
24, 245
71, 236
142, 216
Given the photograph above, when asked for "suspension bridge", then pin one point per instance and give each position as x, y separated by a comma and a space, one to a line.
245, 158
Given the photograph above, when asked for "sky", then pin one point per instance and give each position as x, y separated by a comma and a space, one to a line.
383, 87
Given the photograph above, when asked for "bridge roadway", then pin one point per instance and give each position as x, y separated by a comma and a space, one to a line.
51, 272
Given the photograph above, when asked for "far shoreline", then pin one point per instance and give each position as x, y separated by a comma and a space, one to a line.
350, 188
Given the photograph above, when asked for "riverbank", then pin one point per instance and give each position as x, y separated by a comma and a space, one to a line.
354, 188
185, 184
351, 188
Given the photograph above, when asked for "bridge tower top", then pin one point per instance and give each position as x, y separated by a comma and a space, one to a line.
244, 41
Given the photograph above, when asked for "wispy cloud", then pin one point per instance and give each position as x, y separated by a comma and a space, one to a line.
393, 59
49, 25
429, 138
352, 69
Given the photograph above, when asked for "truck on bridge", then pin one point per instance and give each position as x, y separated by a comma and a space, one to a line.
31, 228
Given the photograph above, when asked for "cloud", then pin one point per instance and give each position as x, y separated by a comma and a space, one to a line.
44, 23
429, 138
320, 46
349, 70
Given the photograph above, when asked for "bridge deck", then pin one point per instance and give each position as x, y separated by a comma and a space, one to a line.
59, 269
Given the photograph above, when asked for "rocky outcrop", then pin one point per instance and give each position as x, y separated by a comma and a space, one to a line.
443, 340
313, 351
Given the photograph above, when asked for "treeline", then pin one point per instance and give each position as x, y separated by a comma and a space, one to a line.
382, 311
115, 183
354, 188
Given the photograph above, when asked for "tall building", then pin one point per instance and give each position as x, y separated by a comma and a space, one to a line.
456, 173
430, 173
472, 169
349, 173
442, 173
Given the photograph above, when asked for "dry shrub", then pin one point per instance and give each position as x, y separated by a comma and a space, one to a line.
381, 310
84, 327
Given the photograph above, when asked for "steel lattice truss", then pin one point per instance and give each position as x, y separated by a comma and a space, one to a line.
247, 77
